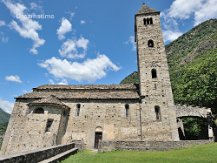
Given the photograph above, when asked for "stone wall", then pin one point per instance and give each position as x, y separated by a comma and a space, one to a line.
147, 145
192, 111
109, 116
26, 130
37, 155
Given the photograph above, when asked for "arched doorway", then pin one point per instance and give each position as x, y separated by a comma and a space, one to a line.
98, 136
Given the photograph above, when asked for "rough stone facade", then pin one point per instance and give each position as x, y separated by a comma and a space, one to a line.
106, 146
155, 88
58, 114
192, 111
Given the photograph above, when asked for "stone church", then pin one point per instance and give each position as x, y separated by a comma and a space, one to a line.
59, 114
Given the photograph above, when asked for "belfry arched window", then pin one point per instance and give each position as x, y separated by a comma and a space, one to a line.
147, 21
154, 73
157, 113
151, 20
38, 111
127, 110
150, 43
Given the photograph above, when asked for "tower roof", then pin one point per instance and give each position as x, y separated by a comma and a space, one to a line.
146, 10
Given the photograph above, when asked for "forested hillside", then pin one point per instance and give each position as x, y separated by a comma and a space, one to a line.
4, 118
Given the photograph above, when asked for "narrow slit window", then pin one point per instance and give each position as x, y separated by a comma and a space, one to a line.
78, 110
150, 43
154, 73
157, 112
38, 111
48, 125
127, 110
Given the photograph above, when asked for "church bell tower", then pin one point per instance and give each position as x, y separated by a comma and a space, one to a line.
157, 105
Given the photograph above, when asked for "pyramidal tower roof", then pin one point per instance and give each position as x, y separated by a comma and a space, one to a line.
146, 10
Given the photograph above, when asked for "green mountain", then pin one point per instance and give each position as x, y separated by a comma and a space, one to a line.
4, 117
192, 59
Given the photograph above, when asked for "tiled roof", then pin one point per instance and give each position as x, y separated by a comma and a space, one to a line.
101, 92
86, 87
51, 99
146, 10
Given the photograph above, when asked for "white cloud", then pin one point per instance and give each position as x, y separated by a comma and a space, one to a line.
170, 28
73, 48
64, 28
27, 27
82, 22
171, 35
89, 70
200, 10
182, 9
13, 78
6, 105
131, 42
2, 23
59, 82
35, 6
207, 11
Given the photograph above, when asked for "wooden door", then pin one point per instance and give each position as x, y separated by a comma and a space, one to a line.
98, 137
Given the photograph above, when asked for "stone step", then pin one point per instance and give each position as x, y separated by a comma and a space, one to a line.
60, 156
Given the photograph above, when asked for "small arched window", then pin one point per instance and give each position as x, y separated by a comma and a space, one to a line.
157, 113
38, 111
154, 73
147, 21
127, 110
150, 43
150, 20
78, 109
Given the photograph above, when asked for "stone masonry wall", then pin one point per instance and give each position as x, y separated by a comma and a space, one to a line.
109, 116
26, 130
37, 155
15, 127
155, 91
106, 146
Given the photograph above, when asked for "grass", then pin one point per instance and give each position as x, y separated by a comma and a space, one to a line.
200, 154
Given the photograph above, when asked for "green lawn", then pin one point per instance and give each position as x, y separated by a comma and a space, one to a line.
199, 154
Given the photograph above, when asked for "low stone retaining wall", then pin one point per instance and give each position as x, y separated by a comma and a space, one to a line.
105, 146
79, 144
36, 155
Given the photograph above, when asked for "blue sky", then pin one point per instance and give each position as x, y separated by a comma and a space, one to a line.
78, 41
